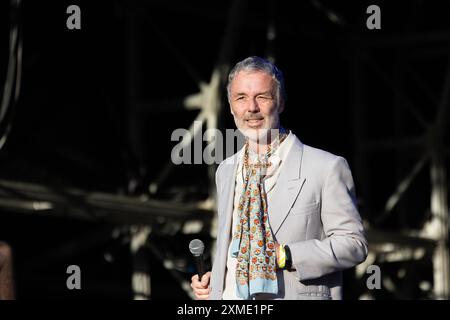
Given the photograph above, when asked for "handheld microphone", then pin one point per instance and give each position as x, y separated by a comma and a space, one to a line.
197, 247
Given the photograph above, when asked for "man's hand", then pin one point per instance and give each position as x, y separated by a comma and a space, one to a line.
201, 289
277, 249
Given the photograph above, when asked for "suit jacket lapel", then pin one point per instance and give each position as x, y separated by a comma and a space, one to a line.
287, 188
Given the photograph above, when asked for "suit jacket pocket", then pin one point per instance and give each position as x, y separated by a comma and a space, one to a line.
295, 228
314, 289
305, 209
311, 296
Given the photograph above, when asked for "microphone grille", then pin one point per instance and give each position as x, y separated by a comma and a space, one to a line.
196, 247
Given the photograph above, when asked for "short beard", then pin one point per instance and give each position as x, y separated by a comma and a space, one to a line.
262, 136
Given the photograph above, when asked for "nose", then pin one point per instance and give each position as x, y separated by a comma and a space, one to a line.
253, 106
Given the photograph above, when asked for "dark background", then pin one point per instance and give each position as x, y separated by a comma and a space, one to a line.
91, 117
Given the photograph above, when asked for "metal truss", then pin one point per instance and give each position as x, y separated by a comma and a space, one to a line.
416, 144
414, 140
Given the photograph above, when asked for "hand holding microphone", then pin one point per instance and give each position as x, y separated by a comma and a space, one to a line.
200, 281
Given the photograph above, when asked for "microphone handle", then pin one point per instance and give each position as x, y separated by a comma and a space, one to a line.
200, 266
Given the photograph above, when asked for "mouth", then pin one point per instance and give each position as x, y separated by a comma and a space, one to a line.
254, 123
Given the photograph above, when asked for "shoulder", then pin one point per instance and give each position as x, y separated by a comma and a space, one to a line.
226, 166
319, 157
321, 162
230, 161
319, 154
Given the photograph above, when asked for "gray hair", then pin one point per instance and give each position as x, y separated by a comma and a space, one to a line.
255, 63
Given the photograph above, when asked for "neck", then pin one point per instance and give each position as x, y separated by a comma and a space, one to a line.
257, 147
261, 146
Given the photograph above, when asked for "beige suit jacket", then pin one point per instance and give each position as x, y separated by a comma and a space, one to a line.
312, 210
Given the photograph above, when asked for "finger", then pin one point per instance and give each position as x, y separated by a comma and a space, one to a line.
202, 291
198, 286
201, 297
205, 278
195, 278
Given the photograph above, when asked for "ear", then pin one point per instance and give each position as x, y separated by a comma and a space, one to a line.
231, 108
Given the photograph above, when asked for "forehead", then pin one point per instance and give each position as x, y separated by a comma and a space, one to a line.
252, 81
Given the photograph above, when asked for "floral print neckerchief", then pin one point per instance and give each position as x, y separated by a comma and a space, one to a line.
253, 244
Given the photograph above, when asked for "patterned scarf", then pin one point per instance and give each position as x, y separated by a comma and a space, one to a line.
252, 243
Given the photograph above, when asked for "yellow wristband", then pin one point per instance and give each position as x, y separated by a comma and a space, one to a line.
281, 257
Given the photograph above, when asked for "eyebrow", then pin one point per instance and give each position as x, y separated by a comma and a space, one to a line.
258, 94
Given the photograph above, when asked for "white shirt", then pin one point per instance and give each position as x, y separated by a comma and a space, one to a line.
277, 159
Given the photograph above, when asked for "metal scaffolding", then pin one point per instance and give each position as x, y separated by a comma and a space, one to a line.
410, 133
428, 148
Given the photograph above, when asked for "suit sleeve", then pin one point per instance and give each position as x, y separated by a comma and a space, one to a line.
345, 244
214, 295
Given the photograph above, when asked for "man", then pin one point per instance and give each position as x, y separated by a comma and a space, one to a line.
288, 222
6, 273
